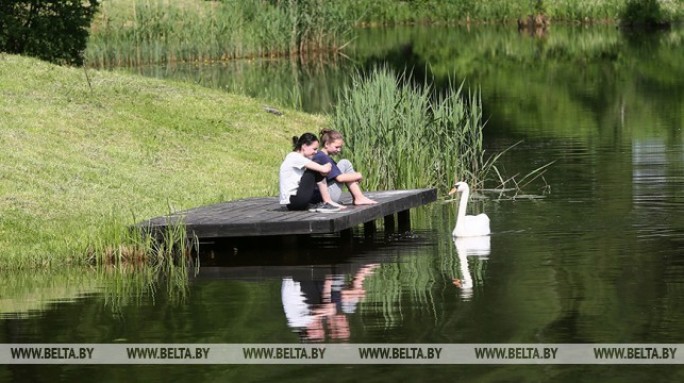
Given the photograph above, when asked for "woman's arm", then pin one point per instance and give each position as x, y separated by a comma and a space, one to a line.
349, 177
323, 169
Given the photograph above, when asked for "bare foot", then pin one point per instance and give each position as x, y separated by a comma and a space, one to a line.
364, 201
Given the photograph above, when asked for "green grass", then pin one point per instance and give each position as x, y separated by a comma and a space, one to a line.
82, 157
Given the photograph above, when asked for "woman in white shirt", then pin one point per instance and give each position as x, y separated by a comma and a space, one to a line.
300, 176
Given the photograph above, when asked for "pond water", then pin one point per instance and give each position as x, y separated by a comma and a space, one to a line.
593, 253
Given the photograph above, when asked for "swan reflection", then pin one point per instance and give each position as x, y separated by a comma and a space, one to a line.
469, 247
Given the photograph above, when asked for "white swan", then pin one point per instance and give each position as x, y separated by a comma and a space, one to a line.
468, 225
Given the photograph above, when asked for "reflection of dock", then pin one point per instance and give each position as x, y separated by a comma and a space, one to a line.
261, 273
266, 217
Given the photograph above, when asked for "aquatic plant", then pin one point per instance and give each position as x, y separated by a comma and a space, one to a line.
135, 32
119, 244
407, 135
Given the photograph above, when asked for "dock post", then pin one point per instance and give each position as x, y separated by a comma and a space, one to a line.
389, 223
404, 218
347, 234
369, 229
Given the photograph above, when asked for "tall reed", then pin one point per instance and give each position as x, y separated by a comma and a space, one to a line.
410, 136
135, 32
122, 245
501, 11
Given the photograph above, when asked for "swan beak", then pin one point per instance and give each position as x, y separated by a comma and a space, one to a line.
452, 191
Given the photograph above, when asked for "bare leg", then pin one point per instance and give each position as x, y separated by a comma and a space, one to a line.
354, 188
325, 194
357, 194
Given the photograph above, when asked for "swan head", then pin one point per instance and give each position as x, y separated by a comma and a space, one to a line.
459, 187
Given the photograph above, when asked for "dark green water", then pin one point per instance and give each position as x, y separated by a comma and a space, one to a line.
599, 259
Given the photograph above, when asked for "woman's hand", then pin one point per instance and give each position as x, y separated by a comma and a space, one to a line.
326, 168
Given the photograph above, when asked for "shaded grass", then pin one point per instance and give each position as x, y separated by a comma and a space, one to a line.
79, 162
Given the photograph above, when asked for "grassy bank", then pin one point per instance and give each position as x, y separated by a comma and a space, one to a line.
82, 156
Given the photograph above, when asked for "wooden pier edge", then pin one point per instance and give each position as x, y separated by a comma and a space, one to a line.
264, 216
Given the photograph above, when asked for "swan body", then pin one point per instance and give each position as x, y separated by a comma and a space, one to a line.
468, 225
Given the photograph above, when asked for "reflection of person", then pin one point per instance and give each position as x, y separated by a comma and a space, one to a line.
311, 305
300, 176
342, 173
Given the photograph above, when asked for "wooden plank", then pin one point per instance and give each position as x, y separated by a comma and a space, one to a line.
265, 216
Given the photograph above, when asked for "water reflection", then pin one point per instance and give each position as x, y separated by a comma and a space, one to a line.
470, 247
316, 307
25, 294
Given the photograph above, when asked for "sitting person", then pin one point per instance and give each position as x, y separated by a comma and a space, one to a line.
300, 177
342, 173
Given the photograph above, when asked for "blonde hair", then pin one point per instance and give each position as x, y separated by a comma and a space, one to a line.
329, 135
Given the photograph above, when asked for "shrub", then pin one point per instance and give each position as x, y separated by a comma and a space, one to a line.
52, 30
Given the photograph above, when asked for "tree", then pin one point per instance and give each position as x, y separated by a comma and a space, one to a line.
644, 13
53, 30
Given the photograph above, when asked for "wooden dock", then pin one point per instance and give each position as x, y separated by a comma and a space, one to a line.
264, 216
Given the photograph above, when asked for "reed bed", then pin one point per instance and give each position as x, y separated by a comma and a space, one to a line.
135, 32
138, 32
117, 244
409, 136
389, 12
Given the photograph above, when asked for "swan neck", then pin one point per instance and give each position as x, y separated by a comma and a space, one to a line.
462, 204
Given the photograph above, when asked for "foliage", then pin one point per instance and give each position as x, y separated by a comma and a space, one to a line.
643, 12
53, 30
